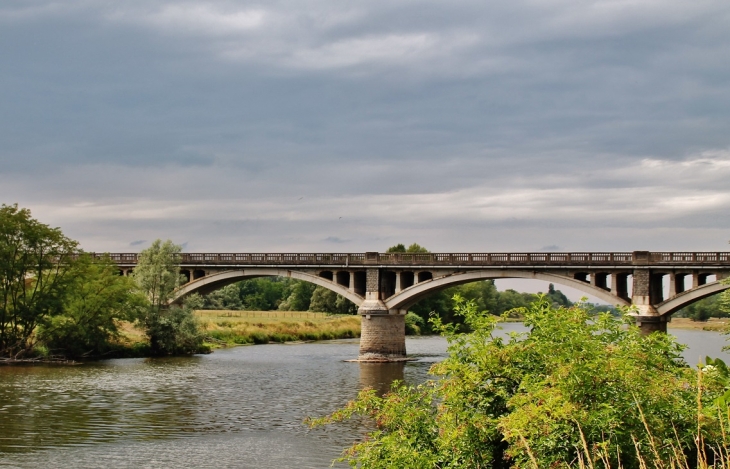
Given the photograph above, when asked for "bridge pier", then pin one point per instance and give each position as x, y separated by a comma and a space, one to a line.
647, 292
649, 324
383, 334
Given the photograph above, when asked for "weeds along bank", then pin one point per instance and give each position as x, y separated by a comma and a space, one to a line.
261, 327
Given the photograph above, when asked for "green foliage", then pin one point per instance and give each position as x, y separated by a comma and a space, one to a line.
327, 301
158, 272
414, 324
263, 294
576, 390
300, 297
415, 247
227, 298
171, 329
35, 261
704, 309
96, 298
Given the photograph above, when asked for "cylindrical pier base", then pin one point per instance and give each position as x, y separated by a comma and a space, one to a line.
383, 335
649, 324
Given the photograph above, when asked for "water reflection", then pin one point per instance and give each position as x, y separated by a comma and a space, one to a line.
380, 376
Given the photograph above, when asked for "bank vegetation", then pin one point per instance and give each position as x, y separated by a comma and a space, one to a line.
576, 391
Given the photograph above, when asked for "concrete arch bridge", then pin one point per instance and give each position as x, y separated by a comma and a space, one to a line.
385, 285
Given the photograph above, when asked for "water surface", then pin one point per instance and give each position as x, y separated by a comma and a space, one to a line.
240, 407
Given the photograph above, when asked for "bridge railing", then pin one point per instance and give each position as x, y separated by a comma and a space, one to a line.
445, 259
506, 258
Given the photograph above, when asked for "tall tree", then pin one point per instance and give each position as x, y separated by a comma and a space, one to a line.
35, 260
171, 329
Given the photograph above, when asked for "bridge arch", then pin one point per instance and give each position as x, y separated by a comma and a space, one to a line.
218, 280
411, 295
688, 297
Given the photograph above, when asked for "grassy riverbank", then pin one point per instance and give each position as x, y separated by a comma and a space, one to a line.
261, 327
713, 324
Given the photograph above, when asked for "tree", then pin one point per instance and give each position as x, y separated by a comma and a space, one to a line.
227, 298
96, 298
263, 294
35, 261
327, 301
576, 391
300, 296
171, 329
415, 247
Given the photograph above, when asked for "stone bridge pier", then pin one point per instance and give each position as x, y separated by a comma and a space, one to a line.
383, 331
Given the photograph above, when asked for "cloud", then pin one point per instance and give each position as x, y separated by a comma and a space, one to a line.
336, 240
520, 125
138, 242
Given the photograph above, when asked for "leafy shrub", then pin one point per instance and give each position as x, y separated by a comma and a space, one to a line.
573, 391
414, 323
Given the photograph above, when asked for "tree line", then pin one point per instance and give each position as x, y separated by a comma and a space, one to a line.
55, 300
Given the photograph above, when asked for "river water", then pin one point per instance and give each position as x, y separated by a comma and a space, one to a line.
241, 407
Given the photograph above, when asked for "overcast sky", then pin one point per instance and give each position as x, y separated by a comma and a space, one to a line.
350, 126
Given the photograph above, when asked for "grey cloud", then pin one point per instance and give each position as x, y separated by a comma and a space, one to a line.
336, 240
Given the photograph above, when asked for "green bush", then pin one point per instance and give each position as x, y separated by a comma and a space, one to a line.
414, 324
574, 391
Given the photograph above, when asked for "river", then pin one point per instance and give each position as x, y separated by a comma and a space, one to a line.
241, 407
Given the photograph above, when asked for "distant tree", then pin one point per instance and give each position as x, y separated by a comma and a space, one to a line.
300, 297
35, 262
702, 310
171, 329
415, 247
557, 297
327, 301
226, 298
263, 294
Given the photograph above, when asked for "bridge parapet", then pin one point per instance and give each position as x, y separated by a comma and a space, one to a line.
566, 259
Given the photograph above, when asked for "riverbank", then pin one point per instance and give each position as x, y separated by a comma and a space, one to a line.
227, 328
713, 324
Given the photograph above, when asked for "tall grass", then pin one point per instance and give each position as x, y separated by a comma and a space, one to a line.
704, 456
241, 330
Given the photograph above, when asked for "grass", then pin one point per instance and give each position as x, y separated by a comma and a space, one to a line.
261, 327
713, 324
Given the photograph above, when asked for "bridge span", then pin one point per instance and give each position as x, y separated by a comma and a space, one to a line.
385, 285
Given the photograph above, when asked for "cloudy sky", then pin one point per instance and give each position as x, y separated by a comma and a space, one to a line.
350, 126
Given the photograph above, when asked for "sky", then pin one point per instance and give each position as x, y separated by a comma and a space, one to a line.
326, 126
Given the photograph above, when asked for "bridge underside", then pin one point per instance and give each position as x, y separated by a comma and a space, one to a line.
384, 293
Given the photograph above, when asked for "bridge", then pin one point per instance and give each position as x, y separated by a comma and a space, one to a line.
385, 285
